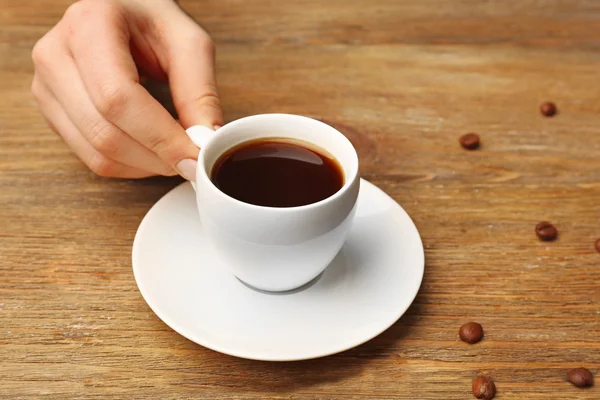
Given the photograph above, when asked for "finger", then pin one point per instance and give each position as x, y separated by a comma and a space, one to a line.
191, 71
106, 138
187, 54
110, 77
59, 122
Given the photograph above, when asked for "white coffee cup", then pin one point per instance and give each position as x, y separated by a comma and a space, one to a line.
271, 248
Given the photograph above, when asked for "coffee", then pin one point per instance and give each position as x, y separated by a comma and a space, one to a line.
470, 141
548, 109
471, 332
484, 388
277, 172
581, 377
546, 231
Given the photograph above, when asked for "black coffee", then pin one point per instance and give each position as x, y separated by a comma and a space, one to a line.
278, 173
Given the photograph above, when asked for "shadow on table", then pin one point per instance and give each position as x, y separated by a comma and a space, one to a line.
249, 375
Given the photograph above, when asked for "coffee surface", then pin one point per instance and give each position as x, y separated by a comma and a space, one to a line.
277, 173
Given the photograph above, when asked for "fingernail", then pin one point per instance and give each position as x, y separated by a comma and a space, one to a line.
216, 127
187, 169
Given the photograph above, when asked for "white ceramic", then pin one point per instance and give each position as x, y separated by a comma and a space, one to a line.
368, 286
271, 248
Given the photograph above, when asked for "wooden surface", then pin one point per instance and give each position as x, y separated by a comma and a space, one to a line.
404, 79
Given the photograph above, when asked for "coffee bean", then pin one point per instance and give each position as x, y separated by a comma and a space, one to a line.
548, 109
470, 141
546, 231
484, 388
598, 245
471, 332
580, 377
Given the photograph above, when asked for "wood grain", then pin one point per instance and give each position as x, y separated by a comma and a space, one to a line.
403, 79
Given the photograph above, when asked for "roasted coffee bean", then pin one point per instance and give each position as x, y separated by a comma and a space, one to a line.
580, 377
598, 245
471, 332
548, 109
484, 388
546, 231
470, 141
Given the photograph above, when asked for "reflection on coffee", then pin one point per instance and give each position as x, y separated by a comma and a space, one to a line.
278, 172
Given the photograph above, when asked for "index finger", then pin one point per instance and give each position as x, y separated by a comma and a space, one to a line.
191, 72
111, 79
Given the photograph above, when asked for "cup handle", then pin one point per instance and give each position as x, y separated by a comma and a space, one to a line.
200, 135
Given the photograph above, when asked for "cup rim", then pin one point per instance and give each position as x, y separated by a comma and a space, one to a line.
202, 172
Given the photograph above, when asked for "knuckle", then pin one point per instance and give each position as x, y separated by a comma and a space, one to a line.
76, 9
85, 13
112, 101
87, 8
105, 139
200, 40
206, 43
101, 165
209, 98
41, 53
160, 144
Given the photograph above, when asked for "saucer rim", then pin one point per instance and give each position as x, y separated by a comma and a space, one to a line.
273, 358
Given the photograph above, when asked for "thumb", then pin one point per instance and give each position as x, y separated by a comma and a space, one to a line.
191, 72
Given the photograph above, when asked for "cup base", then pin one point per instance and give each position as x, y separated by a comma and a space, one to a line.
286, 291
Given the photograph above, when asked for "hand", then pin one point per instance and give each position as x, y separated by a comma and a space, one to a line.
87, 85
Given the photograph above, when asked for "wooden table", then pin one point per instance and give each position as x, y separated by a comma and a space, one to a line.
403, 79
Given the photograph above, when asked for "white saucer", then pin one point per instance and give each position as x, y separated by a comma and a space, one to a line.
364, 291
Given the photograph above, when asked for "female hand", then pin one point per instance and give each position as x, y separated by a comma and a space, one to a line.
87, 85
